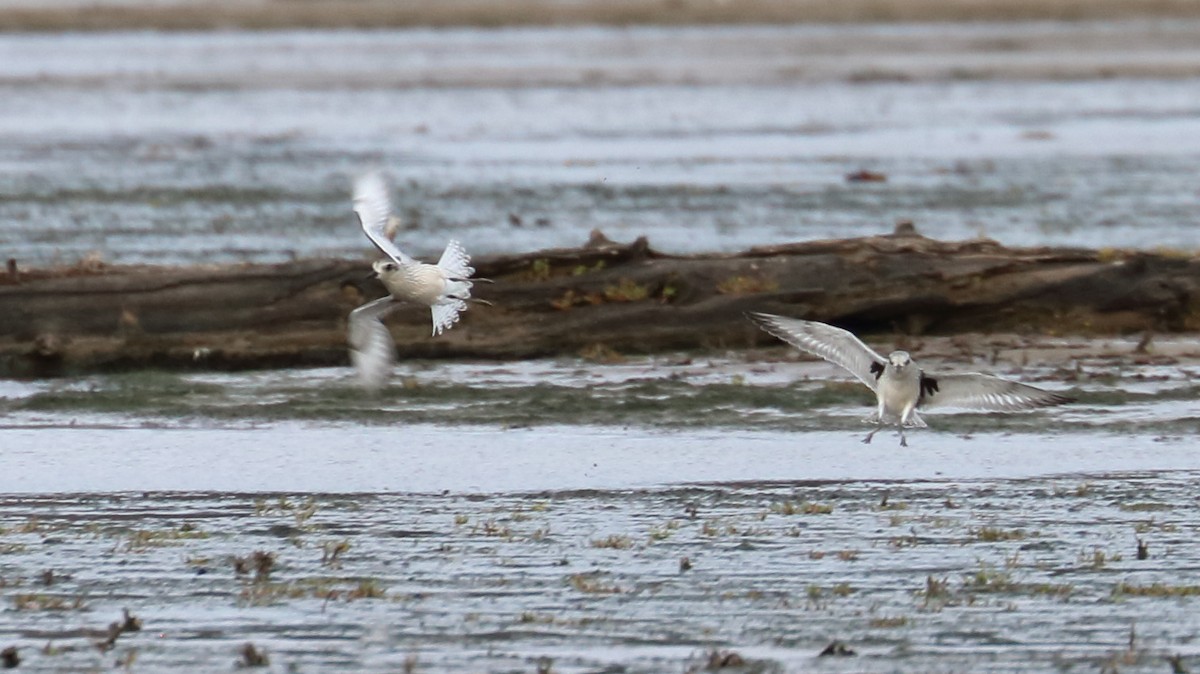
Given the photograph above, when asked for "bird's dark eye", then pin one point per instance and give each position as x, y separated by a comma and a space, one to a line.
390, 266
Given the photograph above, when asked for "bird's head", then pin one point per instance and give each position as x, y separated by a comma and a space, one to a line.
384, 268
899, 359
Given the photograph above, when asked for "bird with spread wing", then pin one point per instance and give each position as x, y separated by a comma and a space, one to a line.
444, 287
901, 388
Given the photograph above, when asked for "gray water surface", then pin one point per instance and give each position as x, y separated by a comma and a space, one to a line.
228, 147
573, 424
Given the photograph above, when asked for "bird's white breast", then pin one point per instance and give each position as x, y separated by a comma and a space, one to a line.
420, 283
898, 390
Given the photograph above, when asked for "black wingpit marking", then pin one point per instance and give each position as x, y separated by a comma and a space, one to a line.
929, 386
877, 369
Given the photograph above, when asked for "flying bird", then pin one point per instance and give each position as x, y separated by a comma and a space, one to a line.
444, 287
901, 388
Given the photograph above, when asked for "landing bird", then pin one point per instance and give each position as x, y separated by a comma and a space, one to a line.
444, 287
901, 388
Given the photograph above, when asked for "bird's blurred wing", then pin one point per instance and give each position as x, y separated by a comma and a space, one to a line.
373, 207
372, 349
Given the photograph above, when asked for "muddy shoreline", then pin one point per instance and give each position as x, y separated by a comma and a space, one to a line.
598, 301
373, 14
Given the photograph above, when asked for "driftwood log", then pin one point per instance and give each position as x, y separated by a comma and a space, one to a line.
598, 300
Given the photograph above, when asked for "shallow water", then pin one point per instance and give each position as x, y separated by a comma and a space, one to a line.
991, 574
571, 424
185, 148
494, 517
1115, 390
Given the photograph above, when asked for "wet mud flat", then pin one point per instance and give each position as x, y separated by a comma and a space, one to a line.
660, 514
981, 575
24, 15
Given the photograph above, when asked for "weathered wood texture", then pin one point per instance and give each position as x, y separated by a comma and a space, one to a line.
599, 299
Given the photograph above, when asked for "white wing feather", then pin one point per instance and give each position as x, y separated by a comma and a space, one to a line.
372, 349
835, 345
374, 207
985, 392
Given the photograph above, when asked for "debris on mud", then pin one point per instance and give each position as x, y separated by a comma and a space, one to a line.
838, 649
252, 656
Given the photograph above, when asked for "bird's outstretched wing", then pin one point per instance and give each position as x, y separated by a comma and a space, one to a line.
835, 345
985, 392
373, 207
372, 349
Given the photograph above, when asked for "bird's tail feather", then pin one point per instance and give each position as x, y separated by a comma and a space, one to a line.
455, 261
445, 315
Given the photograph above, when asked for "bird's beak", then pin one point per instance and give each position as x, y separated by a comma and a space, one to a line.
372, 275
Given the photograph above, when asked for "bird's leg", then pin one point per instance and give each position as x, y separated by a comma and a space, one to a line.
472, 300
905, 422
867, 440
876, 419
